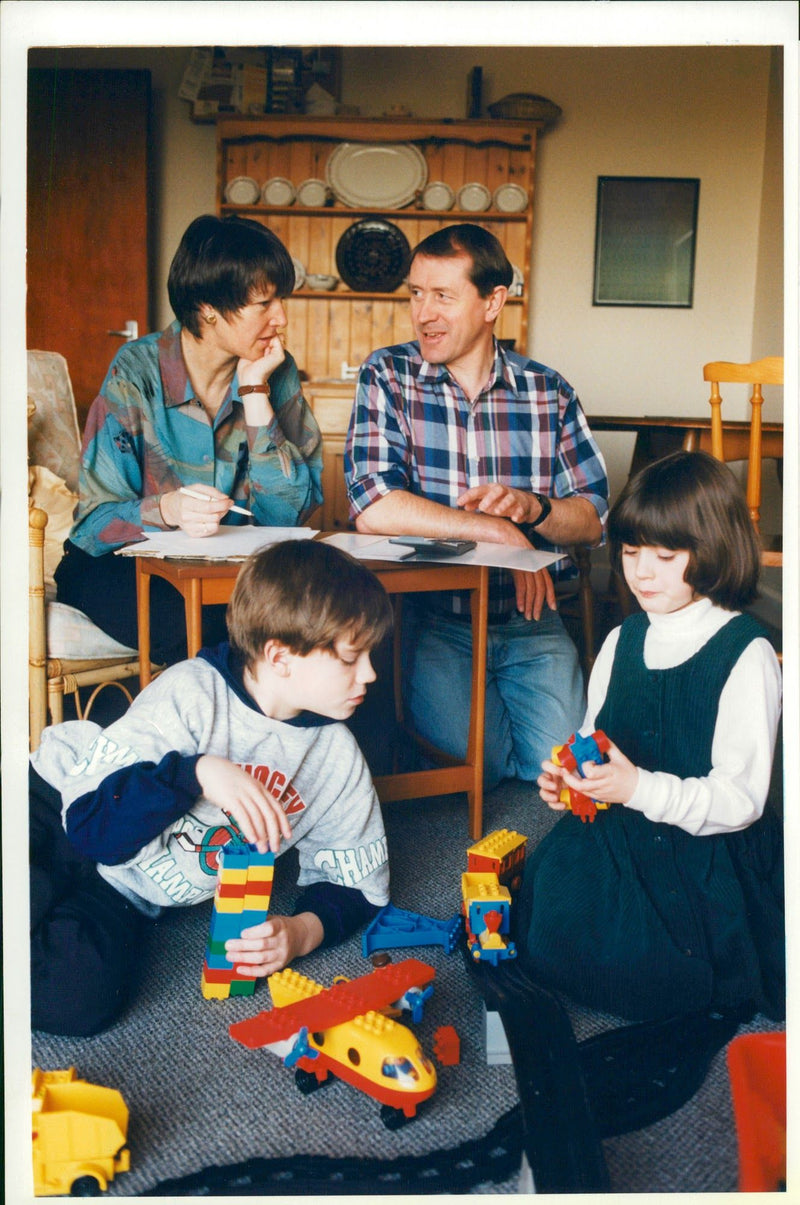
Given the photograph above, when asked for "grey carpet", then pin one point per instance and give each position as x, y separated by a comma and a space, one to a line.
198, 1099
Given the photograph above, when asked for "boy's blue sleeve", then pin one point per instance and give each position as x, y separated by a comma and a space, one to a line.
131, 806
342, 910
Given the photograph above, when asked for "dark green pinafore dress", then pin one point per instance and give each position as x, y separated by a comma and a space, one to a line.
641, 919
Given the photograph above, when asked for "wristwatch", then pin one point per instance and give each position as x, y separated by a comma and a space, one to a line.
546, 506
243, 389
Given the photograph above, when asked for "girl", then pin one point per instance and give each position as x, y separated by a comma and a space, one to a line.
671, 901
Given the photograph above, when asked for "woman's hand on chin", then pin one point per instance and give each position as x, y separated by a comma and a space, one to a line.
256, 372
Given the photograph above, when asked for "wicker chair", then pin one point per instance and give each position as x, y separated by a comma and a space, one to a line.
90, 658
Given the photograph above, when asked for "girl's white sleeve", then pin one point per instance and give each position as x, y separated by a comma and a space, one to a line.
733, 794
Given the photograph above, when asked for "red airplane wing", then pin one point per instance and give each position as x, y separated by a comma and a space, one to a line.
334, 1005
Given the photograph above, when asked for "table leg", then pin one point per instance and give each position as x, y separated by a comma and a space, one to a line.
143, 617
193, 607
479, 602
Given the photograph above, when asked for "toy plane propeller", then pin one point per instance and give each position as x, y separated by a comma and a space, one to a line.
341, 1031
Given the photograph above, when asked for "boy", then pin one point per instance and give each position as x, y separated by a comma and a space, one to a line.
241, 740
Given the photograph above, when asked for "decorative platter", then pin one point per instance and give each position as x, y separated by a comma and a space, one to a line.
242, 190
510, 198
372, 256
473, 197
313, 192
278, 191
376, 175
438, 196
299, 274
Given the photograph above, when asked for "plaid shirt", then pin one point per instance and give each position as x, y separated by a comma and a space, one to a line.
146, 435
413, 428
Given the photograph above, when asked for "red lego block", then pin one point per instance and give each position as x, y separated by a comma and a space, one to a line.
447, 1046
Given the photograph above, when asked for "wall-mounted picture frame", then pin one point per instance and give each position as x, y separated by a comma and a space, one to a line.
645, 241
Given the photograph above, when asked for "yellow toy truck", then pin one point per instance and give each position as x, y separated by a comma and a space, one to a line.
80, 1132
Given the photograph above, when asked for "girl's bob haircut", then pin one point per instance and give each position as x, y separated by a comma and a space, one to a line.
691, 502
221, 262
306, 595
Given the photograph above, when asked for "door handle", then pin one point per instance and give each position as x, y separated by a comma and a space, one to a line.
130, 333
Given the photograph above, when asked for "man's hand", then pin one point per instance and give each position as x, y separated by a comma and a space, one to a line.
256, 810
272, 945
501, 500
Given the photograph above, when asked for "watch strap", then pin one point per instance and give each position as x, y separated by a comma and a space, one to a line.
243, 389
546, 506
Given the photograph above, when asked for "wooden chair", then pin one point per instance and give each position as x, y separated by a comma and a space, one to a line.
768, 371
92, 658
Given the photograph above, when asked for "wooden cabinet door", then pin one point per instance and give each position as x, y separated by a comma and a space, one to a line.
87, 217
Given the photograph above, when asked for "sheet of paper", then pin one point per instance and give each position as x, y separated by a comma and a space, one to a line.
229, 544
496, 556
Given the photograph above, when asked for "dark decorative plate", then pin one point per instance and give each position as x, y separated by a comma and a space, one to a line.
372, 256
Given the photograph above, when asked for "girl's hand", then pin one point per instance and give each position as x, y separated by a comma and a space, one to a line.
550, 786
198, 517
257, 812
272, 945
613, 782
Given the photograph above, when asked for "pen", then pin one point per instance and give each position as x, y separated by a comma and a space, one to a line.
206, 498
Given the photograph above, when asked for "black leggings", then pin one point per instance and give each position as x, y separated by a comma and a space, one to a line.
85, 936
104, 588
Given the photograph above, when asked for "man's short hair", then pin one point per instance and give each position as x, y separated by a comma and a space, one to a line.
307, 595
220, 262
490, 264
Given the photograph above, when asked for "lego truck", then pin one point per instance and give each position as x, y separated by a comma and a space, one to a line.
80, 1133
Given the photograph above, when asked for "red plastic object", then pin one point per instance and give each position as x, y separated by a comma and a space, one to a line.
447, 1046
757, 1069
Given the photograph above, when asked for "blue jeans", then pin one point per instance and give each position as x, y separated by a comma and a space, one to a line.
534, 688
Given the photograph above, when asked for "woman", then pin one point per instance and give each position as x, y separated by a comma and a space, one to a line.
213, 404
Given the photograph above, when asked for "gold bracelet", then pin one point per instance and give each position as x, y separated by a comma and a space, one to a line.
243, 389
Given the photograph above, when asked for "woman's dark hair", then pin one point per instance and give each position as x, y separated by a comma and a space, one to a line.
490, 265
691, 502
220, 262
306, 594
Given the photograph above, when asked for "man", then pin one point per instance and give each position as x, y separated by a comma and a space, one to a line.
453, 436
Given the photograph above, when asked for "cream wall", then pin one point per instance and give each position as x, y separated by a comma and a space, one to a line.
713, 112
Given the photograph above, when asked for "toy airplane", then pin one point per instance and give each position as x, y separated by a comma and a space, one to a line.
341, 1031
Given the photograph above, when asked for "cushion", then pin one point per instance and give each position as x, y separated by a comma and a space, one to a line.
72, 636
52, 495
53, 436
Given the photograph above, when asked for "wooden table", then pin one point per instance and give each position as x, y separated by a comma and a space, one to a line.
202, 583
658, 436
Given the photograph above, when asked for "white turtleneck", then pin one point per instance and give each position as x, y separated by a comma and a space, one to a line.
733, 794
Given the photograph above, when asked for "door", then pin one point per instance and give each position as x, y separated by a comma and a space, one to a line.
87, 217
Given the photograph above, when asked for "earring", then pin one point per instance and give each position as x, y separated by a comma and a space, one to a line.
211, 319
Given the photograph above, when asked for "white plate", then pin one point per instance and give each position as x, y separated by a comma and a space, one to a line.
278, 191
299, 274
376, 175
473, 198
438, 196
510, 198
313, 193
242, 190
517, 286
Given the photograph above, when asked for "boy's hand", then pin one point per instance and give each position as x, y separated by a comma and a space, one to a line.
272, 945
256, 810
612, 782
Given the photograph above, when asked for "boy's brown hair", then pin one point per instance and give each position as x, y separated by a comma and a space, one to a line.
307, 595
691, 502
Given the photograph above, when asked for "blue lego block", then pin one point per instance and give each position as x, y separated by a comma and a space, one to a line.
396, 928
240, 856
